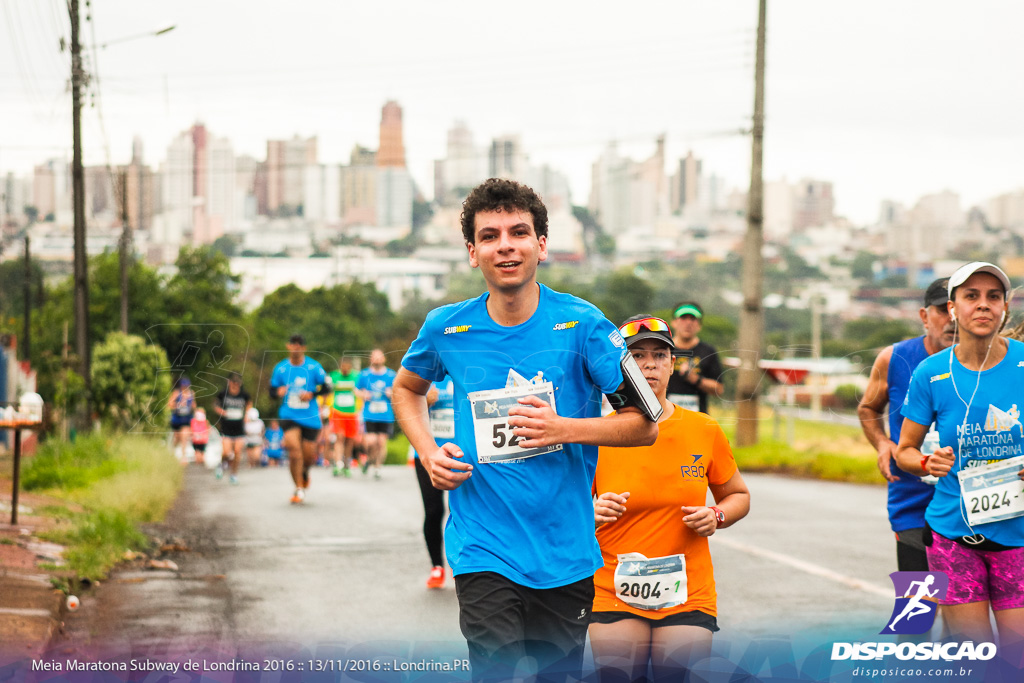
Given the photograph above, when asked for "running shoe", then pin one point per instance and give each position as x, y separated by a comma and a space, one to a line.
219, 473
298, 496
336, 471
366, 466
376, 473
436, 579
346, 472
234, 480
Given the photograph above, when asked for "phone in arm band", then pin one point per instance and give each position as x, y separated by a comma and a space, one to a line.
635, 391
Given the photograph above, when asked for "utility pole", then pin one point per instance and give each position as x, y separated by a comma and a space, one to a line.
26, 341
81, 266
751, 336
125, 247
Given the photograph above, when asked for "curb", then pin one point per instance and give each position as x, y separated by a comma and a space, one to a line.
31, 612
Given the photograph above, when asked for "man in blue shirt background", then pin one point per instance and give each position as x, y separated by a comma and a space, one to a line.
298, 380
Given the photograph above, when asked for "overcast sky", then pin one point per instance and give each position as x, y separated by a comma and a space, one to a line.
885, 98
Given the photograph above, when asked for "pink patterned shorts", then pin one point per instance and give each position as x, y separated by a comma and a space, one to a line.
979, 575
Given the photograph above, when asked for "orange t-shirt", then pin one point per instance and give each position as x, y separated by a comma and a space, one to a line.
690, 453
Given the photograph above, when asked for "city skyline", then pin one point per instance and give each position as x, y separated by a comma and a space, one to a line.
889, 103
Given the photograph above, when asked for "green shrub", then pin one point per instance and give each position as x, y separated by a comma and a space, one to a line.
848, 395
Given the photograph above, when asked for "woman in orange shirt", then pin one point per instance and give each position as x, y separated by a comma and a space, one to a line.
654, 598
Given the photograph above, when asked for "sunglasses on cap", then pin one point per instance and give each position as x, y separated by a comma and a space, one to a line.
653, 324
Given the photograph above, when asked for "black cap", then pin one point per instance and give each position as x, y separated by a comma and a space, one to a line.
937, 294
235, 377
647, 333
297, 339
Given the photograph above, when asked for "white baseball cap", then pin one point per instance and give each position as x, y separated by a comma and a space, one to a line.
969, 269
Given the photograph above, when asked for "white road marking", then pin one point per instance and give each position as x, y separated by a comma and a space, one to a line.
808, 567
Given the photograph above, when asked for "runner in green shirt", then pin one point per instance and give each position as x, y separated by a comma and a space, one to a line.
344, 419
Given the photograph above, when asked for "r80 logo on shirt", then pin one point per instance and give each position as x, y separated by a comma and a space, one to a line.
694, 471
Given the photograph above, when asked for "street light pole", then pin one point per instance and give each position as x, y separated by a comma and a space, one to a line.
81, 265
125, 244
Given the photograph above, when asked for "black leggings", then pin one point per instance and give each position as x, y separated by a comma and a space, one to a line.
433, 515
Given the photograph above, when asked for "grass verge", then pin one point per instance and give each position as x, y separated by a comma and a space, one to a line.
398, 450
110, 485
819, 450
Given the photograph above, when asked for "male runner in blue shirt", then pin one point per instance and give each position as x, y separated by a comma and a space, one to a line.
529, 366
298, 380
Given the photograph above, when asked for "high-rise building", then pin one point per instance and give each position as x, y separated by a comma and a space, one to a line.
359, 188
322, 202
178, 183
463, 168
628, 194
394, 198
15, 196
686, 183
813, 204
51, 190
391, 152
221, 187
286, 167
506, 158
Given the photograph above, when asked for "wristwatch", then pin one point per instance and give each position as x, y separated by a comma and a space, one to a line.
719, 515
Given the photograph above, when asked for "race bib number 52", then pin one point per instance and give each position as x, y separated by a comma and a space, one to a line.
495, 440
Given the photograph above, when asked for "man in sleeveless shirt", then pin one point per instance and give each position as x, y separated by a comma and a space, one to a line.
909, 495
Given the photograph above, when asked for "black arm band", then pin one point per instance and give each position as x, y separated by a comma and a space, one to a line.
635, 391
324, 388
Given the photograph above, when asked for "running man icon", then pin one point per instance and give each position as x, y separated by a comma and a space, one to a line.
917, 596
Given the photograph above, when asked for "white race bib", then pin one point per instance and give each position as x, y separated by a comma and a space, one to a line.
687, 401
993, 492
344, 400
377, 407
442, 423
296, 403
651, 583
234, 413
495, 441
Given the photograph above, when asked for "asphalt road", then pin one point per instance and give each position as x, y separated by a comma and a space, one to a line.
344, 573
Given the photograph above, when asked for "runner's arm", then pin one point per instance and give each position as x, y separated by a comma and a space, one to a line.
871, 413
537, 425
410, 406
909, 456
732, 498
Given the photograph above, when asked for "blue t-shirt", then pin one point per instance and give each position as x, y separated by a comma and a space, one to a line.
989, 432
909, 496
378, 407
275, 442
307, 376
529, 519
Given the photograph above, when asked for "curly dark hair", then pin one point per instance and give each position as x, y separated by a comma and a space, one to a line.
500, 194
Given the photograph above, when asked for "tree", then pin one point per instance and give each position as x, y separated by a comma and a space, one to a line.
127, 383
422, 212
625, 295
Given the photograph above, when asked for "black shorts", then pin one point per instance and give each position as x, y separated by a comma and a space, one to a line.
199, 447
232, 429
179, 423
308, 433
694, 618
380, 428
504, 621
